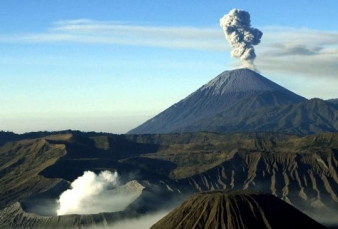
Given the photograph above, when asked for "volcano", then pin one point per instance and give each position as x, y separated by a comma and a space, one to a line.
235, 210
230, 95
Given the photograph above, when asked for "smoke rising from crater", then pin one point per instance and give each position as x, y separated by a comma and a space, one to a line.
241, 36
91, 193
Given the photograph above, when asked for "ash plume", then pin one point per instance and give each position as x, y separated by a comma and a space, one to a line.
91, 193
241, 36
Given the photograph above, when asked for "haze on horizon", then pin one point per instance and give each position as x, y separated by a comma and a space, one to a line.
109, 66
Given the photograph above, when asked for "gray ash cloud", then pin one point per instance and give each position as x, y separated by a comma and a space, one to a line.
241, 36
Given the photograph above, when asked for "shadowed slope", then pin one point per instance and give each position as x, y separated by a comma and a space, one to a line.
333, 101
235, 210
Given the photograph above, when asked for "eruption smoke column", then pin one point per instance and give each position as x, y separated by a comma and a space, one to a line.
241, 36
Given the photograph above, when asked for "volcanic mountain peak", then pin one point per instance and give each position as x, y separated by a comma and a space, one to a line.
230, 95
241, 80
236, 210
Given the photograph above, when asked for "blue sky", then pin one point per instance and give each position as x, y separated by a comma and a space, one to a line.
109, 65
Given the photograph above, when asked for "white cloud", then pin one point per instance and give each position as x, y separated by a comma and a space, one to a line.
96, 32
296, 52
304, 52
300, 36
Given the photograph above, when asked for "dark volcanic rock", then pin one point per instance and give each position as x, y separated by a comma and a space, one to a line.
235, 210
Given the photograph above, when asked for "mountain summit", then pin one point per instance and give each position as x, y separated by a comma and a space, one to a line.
230, 94
242, 80
236, 210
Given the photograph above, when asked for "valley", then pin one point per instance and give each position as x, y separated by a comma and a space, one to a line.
298, 170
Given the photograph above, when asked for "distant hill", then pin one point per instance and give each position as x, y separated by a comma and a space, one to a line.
7, 136
333, 101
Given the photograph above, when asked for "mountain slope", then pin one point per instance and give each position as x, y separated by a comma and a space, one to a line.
236, 210
308, 117
333, 101
220, 95
20, 164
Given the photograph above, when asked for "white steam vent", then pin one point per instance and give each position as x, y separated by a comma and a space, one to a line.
91, 194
